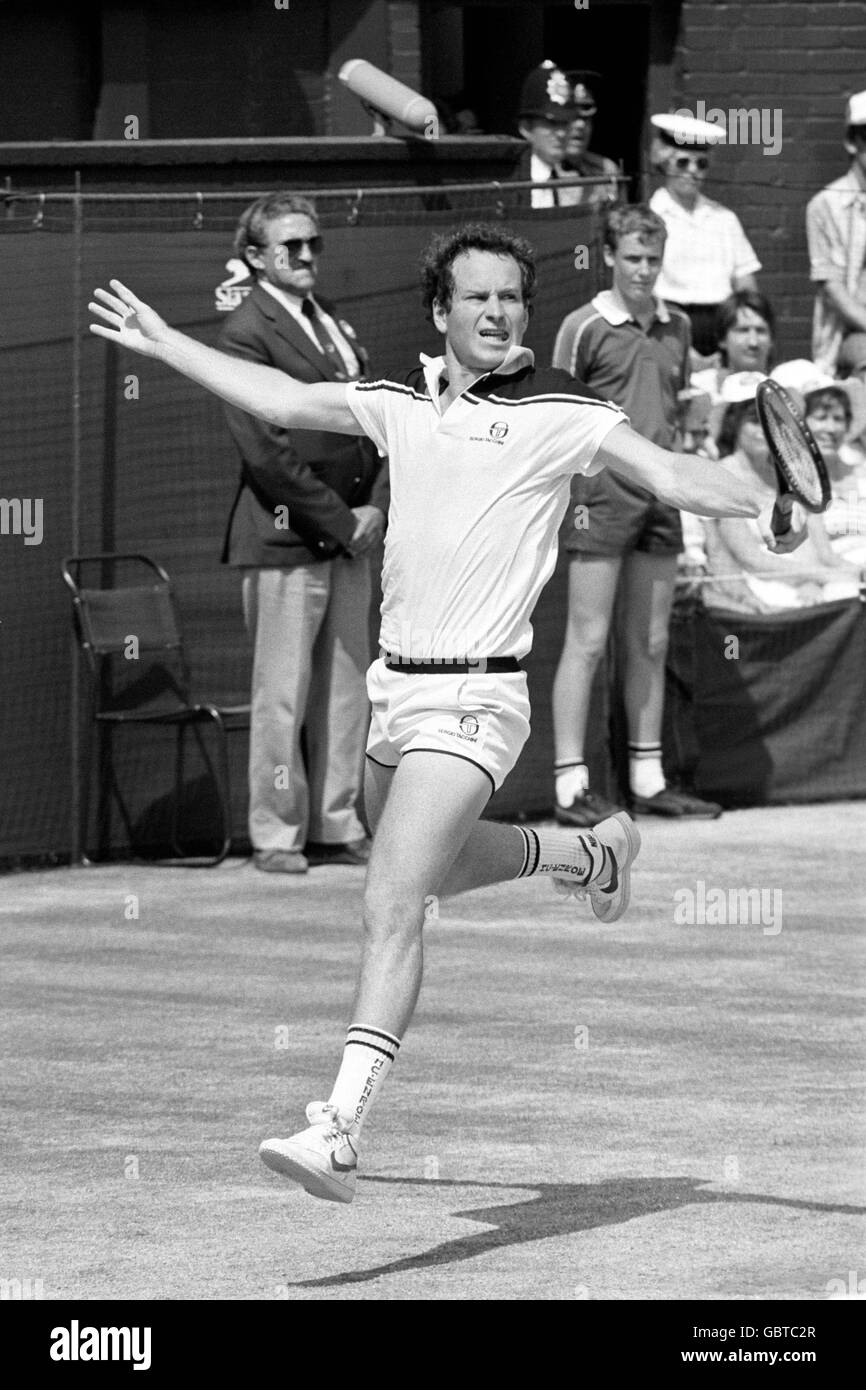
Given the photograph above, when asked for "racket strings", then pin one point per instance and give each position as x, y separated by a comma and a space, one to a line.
794, 451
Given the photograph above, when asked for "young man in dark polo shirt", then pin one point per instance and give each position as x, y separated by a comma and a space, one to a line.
634, 350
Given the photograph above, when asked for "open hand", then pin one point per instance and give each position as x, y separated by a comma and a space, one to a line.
131, 323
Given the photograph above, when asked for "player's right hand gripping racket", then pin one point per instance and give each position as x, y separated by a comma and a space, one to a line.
800, 466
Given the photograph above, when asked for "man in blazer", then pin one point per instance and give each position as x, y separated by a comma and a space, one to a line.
309, 508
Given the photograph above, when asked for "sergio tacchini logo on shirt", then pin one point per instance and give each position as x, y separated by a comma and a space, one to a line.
495, 435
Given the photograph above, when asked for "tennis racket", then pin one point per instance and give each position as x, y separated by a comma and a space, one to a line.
800, 466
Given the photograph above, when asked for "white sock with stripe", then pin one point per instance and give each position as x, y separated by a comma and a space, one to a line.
367, 1058
645, 768
574, 854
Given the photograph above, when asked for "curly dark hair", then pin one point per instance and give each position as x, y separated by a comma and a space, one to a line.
437, 277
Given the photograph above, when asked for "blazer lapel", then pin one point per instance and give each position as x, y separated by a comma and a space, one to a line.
291, 332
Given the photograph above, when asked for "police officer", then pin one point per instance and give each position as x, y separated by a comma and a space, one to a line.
578, 157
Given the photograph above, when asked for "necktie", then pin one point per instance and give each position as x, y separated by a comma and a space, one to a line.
323, 337
553, 178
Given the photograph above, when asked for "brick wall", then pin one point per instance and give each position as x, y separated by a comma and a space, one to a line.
404, 32
803, 57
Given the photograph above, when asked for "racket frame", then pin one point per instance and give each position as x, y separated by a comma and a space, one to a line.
769, 389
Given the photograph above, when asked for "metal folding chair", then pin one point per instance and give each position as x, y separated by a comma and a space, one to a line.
130, 635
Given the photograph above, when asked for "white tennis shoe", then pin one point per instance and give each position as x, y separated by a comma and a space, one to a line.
609, 892
322, 1159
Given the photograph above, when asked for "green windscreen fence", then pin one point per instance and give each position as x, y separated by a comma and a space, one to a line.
108, 452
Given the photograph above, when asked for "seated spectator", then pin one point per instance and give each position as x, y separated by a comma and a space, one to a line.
743, 575
707, 254
738, 386
836, 231
694, 412
694, 436
829, 413
845, 518
745, 339
578, 157
835, 412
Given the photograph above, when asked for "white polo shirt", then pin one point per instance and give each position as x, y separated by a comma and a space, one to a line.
705, 249
477, 496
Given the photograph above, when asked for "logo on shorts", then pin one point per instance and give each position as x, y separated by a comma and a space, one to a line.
467, 728
498, 430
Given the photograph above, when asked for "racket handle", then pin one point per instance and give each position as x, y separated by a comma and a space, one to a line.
781, 522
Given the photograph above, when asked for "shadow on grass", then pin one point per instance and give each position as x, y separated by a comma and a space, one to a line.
560, 1209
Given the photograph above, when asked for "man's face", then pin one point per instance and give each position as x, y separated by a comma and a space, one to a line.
579, 136
747, 343
547, 138
487, 314
636, 263
293, 268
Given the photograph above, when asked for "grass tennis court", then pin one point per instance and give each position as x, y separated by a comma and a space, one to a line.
642, 1111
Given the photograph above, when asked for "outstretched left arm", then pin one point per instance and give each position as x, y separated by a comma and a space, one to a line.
261, 390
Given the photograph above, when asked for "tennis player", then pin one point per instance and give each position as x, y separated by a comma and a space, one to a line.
482, 448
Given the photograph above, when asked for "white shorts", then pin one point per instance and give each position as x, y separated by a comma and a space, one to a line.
481, 717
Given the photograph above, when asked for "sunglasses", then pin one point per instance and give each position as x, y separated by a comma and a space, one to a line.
295, 243
692, 161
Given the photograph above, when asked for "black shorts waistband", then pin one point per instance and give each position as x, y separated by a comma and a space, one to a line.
495, 665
